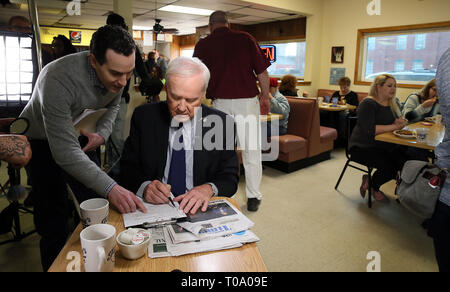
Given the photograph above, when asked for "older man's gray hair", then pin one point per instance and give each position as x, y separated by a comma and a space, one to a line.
188, 67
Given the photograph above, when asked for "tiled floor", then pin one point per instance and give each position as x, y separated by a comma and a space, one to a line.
305, 225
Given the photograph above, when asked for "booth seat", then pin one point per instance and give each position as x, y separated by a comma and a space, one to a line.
306, 142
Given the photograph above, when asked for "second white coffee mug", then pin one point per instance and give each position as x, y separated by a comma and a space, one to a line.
98, 244
94, 211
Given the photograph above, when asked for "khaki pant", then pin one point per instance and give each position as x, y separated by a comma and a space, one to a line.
246, 114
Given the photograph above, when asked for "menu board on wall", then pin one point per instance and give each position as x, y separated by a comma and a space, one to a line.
148, 38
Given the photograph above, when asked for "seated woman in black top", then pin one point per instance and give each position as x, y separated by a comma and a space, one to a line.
345, 94
376, 116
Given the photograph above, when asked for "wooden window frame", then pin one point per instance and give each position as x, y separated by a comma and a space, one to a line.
359, 47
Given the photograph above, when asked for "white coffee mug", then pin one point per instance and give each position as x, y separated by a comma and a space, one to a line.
98, 245
94, 211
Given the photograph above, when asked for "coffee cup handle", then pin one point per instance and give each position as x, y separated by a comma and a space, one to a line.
102, 257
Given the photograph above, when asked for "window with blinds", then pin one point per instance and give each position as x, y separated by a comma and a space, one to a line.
16, 68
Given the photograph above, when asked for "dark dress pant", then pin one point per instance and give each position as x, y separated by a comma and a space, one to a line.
439, 230
387, 162
52, 207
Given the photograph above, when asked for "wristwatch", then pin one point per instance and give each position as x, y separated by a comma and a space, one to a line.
215, 190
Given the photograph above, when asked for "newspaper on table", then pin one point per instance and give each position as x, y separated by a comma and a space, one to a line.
218, 243
222, 226
162, 245
221, 218
157, 247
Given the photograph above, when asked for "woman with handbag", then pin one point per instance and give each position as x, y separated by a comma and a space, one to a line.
378, 114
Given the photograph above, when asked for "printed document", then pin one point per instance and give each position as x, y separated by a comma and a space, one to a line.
155, 214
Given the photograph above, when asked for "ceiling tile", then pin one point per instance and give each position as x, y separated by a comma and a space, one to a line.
259, 13
207, 4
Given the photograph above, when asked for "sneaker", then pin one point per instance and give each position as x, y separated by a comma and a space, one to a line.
364, 186
253, 204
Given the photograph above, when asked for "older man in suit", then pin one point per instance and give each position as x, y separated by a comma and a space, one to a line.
181, 146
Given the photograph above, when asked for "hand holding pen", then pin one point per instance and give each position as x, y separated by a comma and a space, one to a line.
157, 193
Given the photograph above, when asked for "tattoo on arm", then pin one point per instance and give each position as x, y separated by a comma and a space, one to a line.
12, 147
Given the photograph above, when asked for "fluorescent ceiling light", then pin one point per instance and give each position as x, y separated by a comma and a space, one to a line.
187, 10
137, 27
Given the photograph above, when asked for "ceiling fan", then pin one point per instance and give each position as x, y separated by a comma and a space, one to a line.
158, 28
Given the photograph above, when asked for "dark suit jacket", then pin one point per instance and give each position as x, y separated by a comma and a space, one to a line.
145, 152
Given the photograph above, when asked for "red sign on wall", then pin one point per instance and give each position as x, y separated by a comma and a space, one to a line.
270, 52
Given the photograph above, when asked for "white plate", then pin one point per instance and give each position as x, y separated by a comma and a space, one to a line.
403, 135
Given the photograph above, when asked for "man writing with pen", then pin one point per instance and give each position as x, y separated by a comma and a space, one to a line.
181, 146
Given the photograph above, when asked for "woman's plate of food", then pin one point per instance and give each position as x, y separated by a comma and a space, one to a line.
404, 134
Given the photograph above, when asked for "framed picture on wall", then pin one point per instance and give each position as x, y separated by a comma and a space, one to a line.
337, 55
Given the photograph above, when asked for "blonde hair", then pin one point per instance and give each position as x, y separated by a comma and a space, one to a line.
381, 80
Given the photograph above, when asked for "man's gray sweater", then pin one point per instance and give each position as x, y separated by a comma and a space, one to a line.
64, 89
443, 149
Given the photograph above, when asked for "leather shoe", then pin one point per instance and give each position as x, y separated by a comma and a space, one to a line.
379, 196
364, 186
253, 204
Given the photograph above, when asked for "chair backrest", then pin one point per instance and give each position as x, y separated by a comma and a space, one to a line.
14, 125
351, 120
5, 123
304, 121
300, 116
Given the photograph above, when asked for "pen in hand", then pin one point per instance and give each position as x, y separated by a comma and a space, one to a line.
171, 201
171, 195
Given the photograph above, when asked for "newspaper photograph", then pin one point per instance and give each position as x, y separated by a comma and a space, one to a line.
157, 247
221, 218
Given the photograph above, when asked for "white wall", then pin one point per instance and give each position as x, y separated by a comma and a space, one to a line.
336, 22
343, 18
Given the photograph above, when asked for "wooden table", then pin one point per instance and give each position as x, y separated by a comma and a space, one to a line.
243, 259
434, 137
339, 108
270, 117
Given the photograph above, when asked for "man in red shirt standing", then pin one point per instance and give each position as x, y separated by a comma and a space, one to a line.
236, 62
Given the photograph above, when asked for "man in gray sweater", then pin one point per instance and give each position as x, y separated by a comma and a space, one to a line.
64, 89
439, 227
